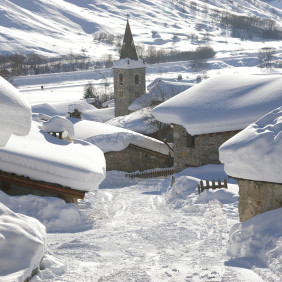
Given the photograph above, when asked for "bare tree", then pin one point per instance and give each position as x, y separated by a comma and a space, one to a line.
266, 57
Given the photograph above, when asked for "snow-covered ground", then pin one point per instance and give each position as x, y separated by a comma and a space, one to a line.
146, 230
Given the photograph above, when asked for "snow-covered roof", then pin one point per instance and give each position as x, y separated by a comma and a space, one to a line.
109, 103
15, 112
255, 153
43, 157
140, 121
62, 108
22, 245
100, 115
111, 138
129, 64
59, 124
222, 103
161, 91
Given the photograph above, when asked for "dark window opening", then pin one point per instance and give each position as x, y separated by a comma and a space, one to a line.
136, 79
190, 141
120, 79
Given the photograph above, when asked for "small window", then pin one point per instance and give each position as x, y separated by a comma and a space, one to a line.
190, 141
120, 94
137, 94
120, 79
136, 79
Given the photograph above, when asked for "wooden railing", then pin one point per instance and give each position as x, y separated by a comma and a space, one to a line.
212, 185
151, 174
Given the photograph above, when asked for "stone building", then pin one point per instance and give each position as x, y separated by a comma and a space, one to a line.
253, 158
197, 150
208, 114
129, 75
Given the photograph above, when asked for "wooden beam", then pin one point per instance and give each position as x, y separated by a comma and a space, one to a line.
42, 186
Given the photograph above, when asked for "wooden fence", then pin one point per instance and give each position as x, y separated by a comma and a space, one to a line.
212, 185
151, 174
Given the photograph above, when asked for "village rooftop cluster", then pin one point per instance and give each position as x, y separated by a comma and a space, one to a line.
66, 149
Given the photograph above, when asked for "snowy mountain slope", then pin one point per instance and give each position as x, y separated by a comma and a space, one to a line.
53, 27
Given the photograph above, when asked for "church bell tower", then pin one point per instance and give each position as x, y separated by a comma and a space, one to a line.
129, 75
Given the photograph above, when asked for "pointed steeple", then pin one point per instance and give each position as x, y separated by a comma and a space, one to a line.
128, 50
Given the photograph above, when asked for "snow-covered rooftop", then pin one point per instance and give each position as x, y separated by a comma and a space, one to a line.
222, 103
111, 138
15, 112
161, 91
59, 124
62, 108
140, 121
100, 115
43, 157
129, 64
255, 153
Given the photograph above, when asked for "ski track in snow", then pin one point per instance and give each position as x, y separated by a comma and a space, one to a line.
137, 236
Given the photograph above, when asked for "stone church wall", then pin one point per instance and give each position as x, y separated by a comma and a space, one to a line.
203, 151
257, 197
134, 158
129, 89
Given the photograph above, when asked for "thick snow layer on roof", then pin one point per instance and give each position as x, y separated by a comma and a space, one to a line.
140, 121
222, 103
15, 112
109, 103
43, 157
59, 124
129, 64
22, 245
161, 91
100, 115
62, 108
256, 152
111, 138
259, 238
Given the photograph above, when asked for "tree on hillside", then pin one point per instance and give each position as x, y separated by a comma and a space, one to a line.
266, 57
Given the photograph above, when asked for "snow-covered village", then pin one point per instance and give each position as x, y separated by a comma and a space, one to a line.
141, 140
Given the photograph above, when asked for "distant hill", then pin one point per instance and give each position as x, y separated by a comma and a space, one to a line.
57, 27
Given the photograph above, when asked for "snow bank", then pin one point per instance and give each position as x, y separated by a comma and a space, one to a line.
111, 138
129, 64
222, 103
59, 124
15, 113
100, 115
261, 238
43, 157
22, 245
62, 108
161, 91
54, 213
140, 121
255, 153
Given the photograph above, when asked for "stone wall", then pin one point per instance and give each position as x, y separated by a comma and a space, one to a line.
257, 197
204, 151
135, 158
130, 90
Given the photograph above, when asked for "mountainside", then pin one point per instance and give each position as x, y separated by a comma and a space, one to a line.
57, 27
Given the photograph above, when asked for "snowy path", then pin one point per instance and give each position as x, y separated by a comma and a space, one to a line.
138, 237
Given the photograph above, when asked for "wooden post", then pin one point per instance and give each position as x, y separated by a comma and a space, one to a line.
202, 185
208, 184
219, 183
225, 183
213, 184
199, 189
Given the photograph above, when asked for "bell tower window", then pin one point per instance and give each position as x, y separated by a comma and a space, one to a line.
136, 79
120, 79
